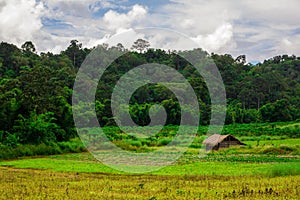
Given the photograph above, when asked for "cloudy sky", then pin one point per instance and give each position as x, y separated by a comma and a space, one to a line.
258, 28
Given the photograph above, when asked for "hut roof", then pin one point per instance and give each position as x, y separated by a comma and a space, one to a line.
217, 138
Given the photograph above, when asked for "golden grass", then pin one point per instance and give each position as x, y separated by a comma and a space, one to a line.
45, 184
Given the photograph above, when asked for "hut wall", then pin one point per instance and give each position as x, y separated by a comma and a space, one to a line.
226, 144
209, 147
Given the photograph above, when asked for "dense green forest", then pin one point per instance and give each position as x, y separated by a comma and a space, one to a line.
36, 90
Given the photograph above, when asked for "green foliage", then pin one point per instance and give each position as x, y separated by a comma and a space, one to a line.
210, 165
36, 92
164, 141
140, 45
283, 170
11, 140
76, 54
37, 129
278, 150
72, 146
279, 111
8, 151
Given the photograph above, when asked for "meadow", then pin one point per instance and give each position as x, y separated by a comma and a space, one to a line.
219, 175
44, 184
267, 167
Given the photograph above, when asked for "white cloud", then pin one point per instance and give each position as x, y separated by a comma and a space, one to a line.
289, 45
20, 20
209, 23
259, 29
216, 40
68, 9
199, 17
126, 37
88, 30
118, 22
118, 27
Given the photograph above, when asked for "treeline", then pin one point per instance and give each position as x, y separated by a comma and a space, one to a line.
36, 90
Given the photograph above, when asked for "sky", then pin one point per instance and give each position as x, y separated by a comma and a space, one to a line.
260, 29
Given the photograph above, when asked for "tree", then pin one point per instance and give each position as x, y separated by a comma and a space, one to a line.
75, 53
140, 45
280, 110
28, 47
41, 87
9, 103
12, 59
241, 59
120, 47
37, 129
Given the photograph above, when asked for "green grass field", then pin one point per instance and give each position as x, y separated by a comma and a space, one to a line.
189, 164
268, 167
80, 176
276, 142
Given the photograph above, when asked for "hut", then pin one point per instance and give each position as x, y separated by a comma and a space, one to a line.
216, 142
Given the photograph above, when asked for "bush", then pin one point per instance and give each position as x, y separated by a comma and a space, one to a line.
164, 141
11, 140
135, 143
6, 152
72, 146
197, 143
273, 150
2, 135
131, 145
37, 129
279, 150
9, 152
287, 148
43, 149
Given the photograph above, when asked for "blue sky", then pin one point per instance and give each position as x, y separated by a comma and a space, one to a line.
124, 6
259, 29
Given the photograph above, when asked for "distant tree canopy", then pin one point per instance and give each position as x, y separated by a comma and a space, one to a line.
28, 46
35, 90
140, 45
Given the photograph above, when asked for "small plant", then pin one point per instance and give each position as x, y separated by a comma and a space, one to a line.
141, 185
164, 141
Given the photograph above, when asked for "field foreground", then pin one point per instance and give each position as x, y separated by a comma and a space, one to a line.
270, 170
46, 184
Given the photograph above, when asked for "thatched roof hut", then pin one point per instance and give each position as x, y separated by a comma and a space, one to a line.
216, 142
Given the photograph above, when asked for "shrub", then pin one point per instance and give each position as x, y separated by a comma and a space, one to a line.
164, 141
9, 152
2, 135
287, 148
6, 152
11, 140
135, 143
72, 146
282, 149
273, 150
37, 129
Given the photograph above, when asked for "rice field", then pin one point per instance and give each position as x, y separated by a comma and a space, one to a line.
248, 172
47, 184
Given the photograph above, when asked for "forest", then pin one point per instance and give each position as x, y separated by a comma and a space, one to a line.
36, 91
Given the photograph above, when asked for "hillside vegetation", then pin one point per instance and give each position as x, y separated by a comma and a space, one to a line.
36, 92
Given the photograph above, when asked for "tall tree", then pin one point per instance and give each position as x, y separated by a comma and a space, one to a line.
140, 45
28, 46
75, 53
